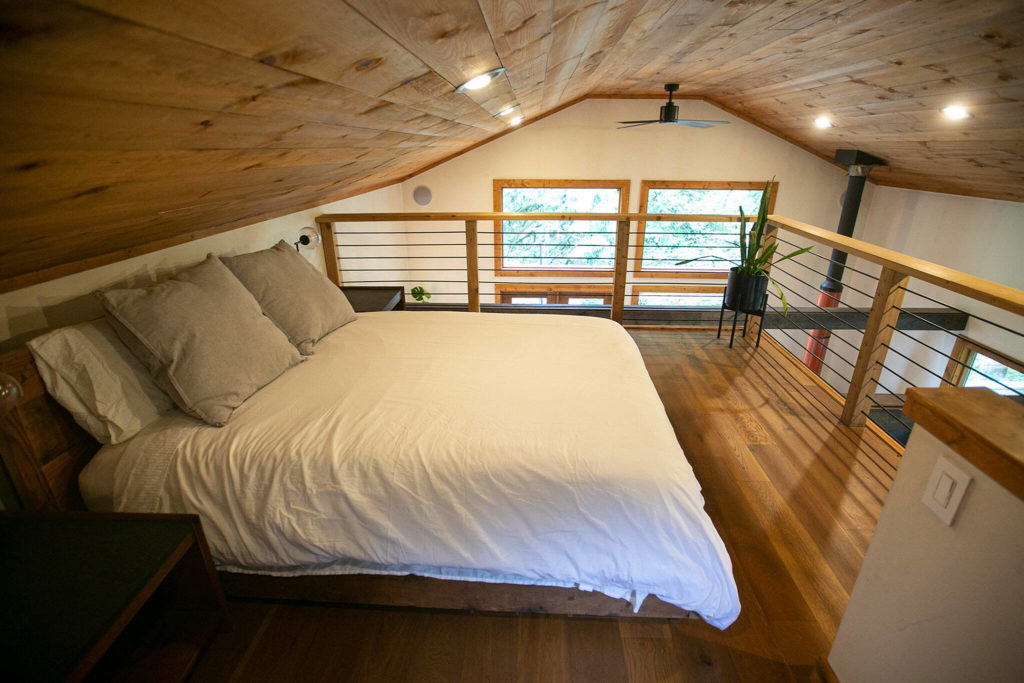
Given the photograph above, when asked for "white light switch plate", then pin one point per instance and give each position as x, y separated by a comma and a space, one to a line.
945, 490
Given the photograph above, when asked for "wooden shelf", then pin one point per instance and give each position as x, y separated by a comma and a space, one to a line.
985, 428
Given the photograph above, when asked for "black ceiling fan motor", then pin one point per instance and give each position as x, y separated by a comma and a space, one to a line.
669, 111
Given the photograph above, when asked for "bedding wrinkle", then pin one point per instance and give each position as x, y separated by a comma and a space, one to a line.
511, 448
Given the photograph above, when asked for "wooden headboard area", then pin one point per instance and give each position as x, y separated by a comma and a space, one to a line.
42, 447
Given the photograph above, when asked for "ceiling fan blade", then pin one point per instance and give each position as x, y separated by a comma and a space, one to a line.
696, 123
638, 122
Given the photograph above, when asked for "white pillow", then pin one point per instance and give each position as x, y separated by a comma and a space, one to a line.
90, 372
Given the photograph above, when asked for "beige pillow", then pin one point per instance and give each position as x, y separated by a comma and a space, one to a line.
293, 293
203, 338
97, 379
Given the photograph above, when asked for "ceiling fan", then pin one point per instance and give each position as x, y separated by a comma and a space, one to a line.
669, 111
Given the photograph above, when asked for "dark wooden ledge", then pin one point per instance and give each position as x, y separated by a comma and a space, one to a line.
985, 428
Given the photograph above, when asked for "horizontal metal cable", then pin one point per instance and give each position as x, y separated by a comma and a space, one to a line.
893, 372
806, 315
827, 258
818, 272
895, 416
794, 339
890, 391
926, 369
958, 310
956, 360
810, 285
927, 322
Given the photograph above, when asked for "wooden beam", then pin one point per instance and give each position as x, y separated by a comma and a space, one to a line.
874, 346
621, 261
472, 268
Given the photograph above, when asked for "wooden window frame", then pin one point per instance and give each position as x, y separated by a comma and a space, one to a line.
549, 290
639, 289
499, 184
965, 350
709, 273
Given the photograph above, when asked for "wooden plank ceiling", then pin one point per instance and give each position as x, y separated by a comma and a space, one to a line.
130, 125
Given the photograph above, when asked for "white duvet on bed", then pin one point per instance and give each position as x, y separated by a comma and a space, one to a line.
513, 448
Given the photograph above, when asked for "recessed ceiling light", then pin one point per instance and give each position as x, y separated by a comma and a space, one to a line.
506, 112
515, 120
481, 81
956, 112
823, 122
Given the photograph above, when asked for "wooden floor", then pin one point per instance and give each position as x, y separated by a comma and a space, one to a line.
794, 494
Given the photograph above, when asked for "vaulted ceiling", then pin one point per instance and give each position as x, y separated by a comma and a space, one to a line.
128, 125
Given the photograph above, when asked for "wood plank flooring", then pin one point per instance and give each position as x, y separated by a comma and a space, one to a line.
794, 494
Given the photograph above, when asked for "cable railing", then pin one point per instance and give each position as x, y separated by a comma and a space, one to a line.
904, 346
870, 343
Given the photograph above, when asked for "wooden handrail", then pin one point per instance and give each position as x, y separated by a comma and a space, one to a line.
1000, 296
505, 216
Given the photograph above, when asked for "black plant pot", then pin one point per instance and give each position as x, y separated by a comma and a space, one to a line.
745, 293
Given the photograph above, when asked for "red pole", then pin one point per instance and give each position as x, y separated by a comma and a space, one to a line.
817, 340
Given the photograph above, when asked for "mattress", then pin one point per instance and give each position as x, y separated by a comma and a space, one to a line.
498, 447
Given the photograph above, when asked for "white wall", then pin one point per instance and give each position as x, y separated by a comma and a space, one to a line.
981, 237
933, 602
583, 142
29, 311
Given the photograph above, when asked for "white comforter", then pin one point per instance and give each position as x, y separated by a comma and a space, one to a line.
514, 448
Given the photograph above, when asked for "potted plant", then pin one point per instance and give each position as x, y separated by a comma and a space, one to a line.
421, 295
748, 279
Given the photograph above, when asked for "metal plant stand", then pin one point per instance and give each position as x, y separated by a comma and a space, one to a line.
746, 316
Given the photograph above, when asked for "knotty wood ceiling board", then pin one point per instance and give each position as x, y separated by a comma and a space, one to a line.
130, 125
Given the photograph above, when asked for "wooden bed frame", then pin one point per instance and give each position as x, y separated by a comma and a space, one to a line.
43, 450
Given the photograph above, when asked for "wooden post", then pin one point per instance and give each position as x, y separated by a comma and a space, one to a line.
621, 262
330, 246
771, 234
472, 268
888, 295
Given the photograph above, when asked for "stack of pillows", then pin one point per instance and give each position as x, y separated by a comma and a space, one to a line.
204, 340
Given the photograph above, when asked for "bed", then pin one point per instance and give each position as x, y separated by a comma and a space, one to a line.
480, 455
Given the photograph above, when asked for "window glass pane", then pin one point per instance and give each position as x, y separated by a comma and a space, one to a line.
1008, 381
703, 201
585, 301
559, 244
528, 300
665, 244
680, 299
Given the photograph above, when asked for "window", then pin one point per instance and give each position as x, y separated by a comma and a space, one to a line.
571, 294
973, 364
990, 373
548, 248
698, 296
707, 226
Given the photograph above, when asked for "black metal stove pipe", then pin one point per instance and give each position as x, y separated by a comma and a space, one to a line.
860, 165
847, 221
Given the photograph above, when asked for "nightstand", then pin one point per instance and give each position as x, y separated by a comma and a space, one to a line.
365, 299
108, 596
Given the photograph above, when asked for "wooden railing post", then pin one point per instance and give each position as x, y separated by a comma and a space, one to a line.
472, 268
878, 332
330, 247
621, 261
